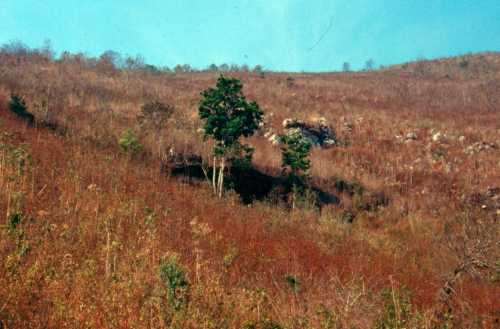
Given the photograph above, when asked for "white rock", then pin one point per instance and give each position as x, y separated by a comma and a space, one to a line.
411, 136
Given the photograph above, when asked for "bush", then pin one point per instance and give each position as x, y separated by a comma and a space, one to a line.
174, 278
397, 310
129, 142
18, 106
155, 114
14, 220
295, 151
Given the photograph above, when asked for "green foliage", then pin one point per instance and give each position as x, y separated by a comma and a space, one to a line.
14, 220
397, 310
327, 318
295, 151
263, 324
303, 196
18, 158
129, 142
227, 115
241, 156
293, 282
18, 106
174, 278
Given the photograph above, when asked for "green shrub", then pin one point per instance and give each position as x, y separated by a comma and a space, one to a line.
293, 282
295, 152
18, 106
14, 220
174, 278
397, 310
129, 142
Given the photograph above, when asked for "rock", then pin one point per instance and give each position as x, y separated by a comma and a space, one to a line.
438, 137
329, 142
411, 136
461, 139
317, 132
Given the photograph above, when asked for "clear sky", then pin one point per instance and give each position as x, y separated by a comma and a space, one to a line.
287, 35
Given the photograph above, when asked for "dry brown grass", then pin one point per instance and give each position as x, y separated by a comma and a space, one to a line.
95, 222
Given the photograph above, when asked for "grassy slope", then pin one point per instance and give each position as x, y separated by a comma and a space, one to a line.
96, 223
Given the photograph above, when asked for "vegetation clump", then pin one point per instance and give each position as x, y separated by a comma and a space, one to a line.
227, 117
175, 281
295, 164
129, 143
153, 118
18, 106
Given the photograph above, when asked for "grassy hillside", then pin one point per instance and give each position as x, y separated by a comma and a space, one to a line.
87, 229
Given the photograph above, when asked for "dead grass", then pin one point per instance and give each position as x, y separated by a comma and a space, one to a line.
96, 223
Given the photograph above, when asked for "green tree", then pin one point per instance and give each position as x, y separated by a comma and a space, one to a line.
346, 67
227, 117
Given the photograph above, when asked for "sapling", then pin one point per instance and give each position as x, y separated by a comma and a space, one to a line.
227, 117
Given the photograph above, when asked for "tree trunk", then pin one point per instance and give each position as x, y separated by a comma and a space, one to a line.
214, 171
221, 177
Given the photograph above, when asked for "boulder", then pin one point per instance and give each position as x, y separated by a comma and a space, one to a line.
317, 132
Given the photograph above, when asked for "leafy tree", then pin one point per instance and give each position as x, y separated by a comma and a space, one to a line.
370, 65
224, 67
227, 117
212, 68
154, 116
258, 69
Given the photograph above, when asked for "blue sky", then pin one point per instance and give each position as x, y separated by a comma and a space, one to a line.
287, 35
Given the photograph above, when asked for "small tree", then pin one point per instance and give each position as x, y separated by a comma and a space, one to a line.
370, 65
227, 117
346, 67
295, 151
154, 115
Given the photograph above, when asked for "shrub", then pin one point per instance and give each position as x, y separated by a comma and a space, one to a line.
154, 117
129, 142
397, 310
174, 278
18, 106
14, 220
295, 151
